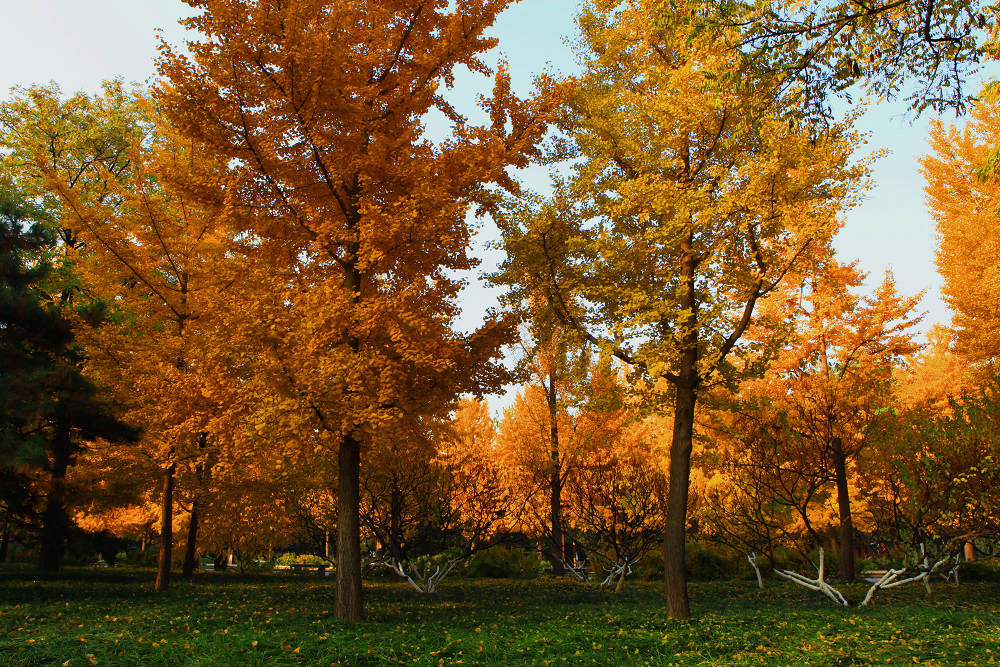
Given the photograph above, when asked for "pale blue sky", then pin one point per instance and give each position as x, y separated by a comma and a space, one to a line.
79, 44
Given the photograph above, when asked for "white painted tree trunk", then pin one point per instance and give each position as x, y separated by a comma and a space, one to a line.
427, 580
617, 571
752, 557
922, 572
581, 573
816, 584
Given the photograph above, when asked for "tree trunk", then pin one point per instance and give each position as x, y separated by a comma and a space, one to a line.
5, 537
844, 507
970, 548
555, 482
190, 549
349, 604
686, 386
166, 530
55, 522
674, 572
201, 470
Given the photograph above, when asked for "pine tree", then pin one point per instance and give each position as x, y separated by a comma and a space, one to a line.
48, 409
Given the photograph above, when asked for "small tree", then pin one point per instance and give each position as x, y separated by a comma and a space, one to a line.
463, 502
617, 497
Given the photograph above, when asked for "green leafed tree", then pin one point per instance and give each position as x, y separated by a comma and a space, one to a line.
921, 51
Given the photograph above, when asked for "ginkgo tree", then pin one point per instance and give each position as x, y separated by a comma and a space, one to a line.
834, 379
691, 198
85, 139
156, 250
354, 224
616, 489
924, 51
540, 436
963, 202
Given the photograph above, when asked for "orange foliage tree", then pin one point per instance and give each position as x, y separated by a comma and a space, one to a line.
616, 491
815, 412
840, 377
353, 222
539, 435
431, 512
156, 251
963, 198
936, 473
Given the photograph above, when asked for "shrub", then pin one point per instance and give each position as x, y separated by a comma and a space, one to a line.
285, 559
300, 559
311, 559
702, 563
706, 564
504, 563
143, 558
650, 568
980, 570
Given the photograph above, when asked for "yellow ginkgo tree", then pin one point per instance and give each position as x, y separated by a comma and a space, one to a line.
692, 197
964, 197
353, 222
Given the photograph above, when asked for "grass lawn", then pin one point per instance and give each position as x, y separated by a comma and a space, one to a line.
114, 618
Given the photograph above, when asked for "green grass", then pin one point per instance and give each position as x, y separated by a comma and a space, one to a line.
113, 618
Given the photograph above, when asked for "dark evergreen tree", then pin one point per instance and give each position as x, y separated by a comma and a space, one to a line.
48, 409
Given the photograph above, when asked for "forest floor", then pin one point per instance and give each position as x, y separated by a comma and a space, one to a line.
112, 617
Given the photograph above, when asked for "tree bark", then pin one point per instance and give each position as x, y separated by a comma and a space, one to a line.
349, 603
686, 387
846, 545
166, 530
557, 557
674, 571
55, 522
190, 548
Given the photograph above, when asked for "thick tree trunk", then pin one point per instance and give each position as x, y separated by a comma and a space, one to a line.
844, 508
555, 482
349, 604
166, 530
686, 387
674, 572
55, 522
191, 547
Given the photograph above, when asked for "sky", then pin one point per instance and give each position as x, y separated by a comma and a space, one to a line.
79, 44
